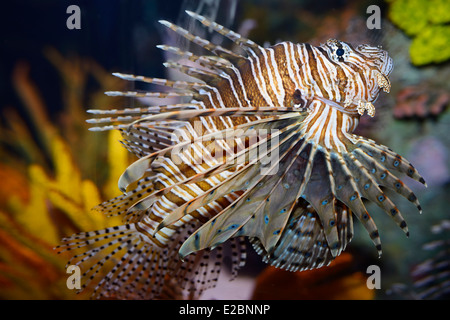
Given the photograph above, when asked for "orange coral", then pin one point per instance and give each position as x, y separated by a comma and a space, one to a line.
421, 102
333, 282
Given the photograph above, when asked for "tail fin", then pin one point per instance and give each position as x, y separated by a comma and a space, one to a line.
113, 260
123, 263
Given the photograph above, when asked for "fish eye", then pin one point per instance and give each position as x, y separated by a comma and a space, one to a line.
337, 50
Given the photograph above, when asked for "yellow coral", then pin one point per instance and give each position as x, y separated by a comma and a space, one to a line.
409, 15
431, 45
34, 215
439, 11
47, 193
425, 22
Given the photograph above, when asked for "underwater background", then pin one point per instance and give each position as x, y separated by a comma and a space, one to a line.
53, 170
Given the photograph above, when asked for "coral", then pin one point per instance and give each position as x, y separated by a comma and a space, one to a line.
431, 45
439, 11
409, 15
425, 22
421, 102
334, 282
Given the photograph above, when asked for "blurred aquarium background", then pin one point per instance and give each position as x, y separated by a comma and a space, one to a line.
53, 170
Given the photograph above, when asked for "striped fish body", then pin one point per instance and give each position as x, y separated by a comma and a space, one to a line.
262, 149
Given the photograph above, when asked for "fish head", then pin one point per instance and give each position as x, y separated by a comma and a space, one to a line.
365, 68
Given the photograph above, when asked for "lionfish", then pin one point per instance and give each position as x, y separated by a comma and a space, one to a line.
260, 147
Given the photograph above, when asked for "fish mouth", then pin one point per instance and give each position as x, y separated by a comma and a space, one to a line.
358, 107
349, 108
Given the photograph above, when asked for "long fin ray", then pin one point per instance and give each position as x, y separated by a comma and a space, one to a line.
145, 94
289, 192
319, 194
370, 190
211, 234
186, 115
347, 192
181, 85
213, 193
138, 169
144, 194
233, 36
389, 159
385, 178
199, 41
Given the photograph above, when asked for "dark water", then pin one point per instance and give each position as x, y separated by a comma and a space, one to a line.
118, 34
